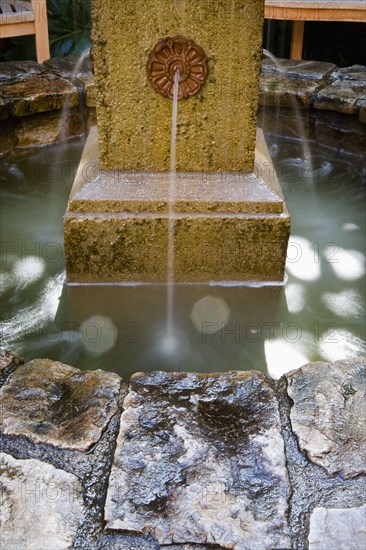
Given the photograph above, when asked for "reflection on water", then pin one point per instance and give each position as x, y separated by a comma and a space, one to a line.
317, 315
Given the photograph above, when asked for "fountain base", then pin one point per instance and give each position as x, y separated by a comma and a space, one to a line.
229, 226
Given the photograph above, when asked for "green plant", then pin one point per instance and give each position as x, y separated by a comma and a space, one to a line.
69, 24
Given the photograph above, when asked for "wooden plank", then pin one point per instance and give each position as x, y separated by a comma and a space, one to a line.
297, 39
316, 11
19, 29
41, 26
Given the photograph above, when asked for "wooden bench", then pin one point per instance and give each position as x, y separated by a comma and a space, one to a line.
307, 10
19, 18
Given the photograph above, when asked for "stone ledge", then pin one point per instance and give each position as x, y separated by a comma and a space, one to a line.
29, 90
201, 460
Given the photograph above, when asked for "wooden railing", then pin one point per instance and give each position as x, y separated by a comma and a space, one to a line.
307, 10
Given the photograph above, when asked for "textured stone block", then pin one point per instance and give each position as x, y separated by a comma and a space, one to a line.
328, 414
41, 506
338, 528
217, 127
200, 459
52, 403
278, 90
37, 94
227, 226
341, 96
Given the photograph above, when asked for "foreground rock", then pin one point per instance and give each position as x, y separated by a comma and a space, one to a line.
200, 459
8, 364
338, 528
41, 506
328, 414
52, 403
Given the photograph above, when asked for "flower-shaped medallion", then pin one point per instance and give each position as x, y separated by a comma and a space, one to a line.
173, 54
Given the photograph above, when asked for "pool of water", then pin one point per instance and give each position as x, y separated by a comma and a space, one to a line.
319, 314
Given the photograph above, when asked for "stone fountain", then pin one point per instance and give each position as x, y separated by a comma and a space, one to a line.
230, 220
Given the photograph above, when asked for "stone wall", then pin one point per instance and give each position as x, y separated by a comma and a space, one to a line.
331, 101
182, 460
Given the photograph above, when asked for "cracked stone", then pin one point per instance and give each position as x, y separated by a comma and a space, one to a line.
39, 93
52, 403
328, 414
41, 506
339, 528
342, 96
280, 90
355, 72
315, 70
200, 460
15, 70
65, 66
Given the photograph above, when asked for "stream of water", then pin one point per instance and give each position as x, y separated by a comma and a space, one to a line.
169, 339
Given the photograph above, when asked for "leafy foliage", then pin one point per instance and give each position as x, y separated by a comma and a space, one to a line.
69, 25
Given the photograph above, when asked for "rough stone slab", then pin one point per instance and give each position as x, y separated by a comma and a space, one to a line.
8, 364
277, 90
341, 96
52, 403
66, 66
315, 70
46, 128
41, 506
355, 72
40, 93
328, 414
200, 459
338, 528
16, 70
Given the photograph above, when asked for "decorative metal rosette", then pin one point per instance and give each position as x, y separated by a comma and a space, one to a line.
173, 54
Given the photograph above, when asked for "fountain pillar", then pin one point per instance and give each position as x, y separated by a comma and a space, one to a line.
231, 223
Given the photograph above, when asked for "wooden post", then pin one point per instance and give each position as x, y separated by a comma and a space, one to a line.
41, 30
297, 39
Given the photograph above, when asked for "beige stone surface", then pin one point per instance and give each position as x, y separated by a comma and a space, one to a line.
338, 528
217, 127
56, 404
133, 247
41, 506
328, 414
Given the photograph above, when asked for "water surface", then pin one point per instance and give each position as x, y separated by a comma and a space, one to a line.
317, 315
